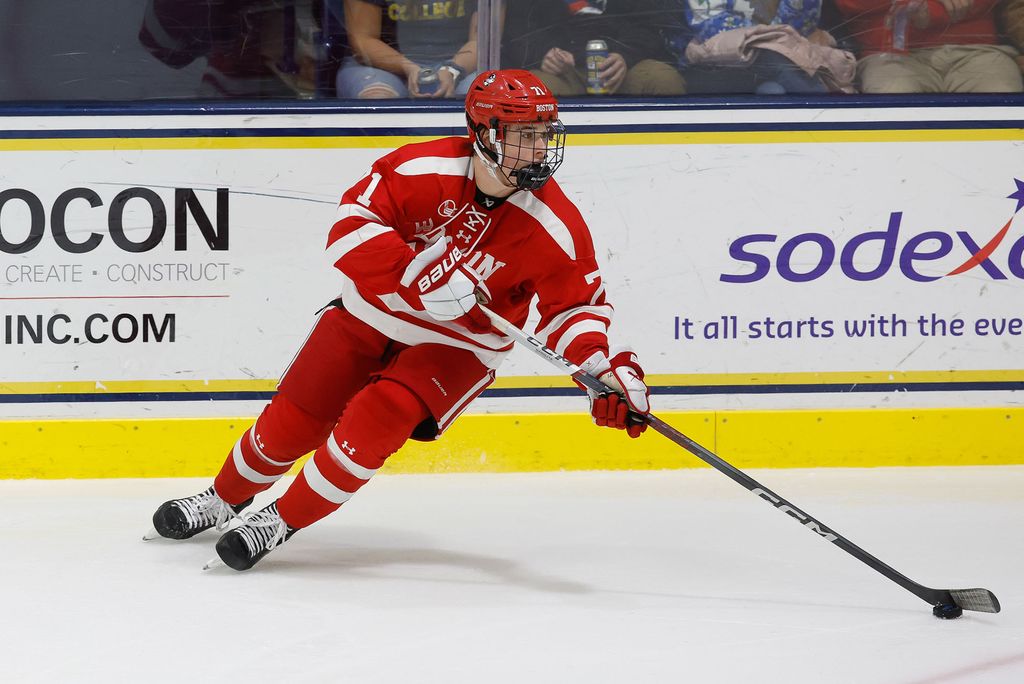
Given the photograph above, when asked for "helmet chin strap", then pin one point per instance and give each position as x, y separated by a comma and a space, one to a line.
492, 159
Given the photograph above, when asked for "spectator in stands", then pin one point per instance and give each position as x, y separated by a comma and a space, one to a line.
393, 40
1010, 19
768, 47
549, 37
931, 46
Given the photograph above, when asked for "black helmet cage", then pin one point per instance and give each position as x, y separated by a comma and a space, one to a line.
494, 143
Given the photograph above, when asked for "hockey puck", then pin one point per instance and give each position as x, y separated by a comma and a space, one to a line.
947, 611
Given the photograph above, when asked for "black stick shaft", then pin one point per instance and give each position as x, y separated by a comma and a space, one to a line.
932, 596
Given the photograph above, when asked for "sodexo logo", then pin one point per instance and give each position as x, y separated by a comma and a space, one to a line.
911, 255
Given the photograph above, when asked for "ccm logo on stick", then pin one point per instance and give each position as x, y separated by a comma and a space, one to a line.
811, 524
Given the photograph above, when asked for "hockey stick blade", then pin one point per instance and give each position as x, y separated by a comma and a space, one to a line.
980, 600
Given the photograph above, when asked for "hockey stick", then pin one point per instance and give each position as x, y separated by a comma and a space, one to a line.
947, 603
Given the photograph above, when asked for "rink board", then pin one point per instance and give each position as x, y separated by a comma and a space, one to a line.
834, 286
543, 442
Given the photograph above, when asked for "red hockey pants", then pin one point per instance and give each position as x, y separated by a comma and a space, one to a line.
354, 396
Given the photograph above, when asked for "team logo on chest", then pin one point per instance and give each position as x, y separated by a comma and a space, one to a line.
448, 208
466, 226
474, 224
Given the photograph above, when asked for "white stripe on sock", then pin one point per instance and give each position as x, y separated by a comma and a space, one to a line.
259, 452
347, 463
246, 471
320, 484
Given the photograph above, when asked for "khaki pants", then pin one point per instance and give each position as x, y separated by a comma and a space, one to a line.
648, 78
947, 69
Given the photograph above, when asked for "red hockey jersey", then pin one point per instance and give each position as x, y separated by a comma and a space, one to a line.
533, 244
530, 245
867, 23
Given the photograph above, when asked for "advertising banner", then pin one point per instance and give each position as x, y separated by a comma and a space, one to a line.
171, 264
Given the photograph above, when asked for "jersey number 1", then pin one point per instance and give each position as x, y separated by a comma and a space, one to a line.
364, 199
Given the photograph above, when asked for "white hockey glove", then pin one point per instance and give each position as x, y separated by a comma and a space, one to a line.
446, 288
625, 409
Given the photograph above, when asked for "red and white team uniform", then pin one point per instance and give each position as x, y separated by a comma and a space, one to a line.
379, 339
406, 348
534, 244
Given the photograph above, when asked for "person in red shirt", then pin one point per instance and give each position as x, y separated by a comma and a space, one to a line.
433, 229
930, 46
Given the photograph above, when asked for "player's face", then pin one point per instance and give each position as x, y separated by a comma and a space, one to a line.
526, 144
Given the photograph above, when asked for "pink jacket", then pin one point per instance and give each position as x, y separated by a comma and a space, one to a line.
736, 48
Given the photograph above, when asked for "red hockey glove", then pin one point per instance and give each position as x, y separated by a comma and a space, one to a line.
626, 408
446, 288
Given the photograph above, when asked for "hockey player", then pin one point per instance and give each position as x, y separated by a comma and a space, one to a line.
432, 229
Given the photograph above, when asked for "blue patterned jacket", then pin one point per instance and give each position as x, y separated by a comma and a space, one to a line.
710, 17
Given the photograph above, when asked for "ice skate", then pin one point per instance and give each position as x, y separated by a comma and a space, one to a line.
259, 534
185, 518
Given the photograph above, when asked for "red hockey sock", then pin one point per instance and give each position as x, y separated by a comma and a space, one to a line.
280, 436
375, 424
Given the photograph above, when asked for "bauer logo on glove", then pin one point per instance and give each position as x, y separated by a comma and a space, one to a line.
440, 269
447, 289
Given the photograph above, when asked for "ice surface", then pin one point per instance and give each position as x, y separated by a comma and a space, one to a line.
671, 576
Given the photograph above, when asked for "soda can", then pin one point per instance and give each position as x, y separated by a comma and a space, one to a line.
428, 82
597, 53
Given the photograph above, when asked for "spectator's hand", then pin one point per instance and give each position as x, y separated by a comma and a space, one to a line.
920, 16
819, 37
447, 84
957, 9
412, 73
613, 71
557, 61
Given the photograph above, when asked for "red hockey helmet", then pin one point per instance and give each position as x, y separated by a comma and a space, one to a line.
504, 101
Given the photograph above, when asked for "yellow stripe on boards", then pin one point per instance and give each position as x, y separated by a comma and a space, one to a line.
53, 449
870, 438
209, 143
796, 136
242, 142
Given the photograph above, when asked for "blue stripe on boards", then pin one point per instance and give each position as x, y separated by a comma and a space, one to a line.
439, 131
584, 104
663, 390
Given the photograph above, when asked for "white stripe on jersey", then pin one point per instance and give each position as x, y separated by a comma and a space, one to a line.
463, 403
349, 210
442, 166
489, 348
322, 486
559, 232
339, 248
347, 463
603, 311
577, 329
